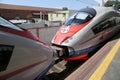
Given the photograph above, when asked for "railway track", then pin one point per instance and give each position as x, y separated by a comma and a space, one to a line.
62, 69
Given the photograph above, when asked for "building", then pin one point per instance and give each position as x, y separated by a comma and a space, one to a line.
38, 15
24, 12
60, 15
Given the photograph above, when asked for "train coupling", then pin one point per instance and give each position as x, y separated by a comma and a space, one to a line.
57, 52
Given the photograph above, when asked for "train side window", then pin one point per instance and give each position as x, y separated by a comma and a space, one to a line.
107, 23
101, 26
5, 55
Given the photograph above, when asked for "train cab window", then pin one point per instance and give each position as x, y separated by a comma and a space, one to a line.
6, 24
78, 18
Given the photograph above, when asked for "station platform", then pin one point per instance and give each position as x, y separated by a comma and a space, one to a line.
104, 65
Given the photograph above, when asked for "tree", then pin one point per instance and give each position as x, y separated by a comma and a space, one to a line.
64, 8
115, 3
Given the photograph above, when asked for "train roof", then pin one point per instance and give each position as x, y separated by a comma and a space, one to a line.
88, 10
100, 10
97, 10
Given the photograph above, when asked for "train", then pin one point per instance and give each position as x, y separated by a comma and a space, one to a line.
85, 31
22, 55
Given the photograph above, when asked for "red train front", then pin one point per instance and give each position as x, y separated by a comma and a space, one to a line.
85, 31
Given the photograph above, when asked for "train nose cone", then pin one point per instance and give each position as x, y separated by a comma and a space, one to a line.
66, 32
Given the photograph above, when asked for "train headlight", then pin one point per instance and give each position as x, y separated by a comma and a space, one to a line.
68, 40
71, 51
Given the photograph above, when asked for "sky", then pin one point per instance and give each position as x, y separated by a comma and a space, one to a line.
70, 4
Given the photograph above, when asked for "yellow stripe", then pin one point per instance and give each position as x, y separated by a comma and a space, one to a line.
100, 71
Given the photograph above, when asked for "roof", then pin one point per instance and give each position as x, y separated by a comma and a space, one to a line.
28, 8
9, 11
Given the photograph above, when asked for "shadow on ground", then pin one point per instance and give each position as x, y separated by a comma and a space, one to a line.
70, 67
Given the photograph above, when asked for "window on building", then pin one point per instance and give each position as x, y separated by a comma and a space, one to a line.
56, 14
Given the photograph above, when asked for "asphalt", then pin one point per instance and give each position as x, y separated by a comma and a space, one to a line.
113, 71
109, 68
45, 34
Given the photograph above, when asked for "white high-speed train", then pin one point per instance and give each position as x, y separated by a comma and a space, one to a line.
22, 55
84, 31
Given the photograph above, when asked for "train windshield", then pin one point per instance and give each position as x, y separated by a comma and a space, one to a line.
78, 18
7, 24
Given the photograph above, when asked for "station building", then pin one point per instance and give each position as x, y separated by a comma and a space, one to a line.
60, 15
30, 14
